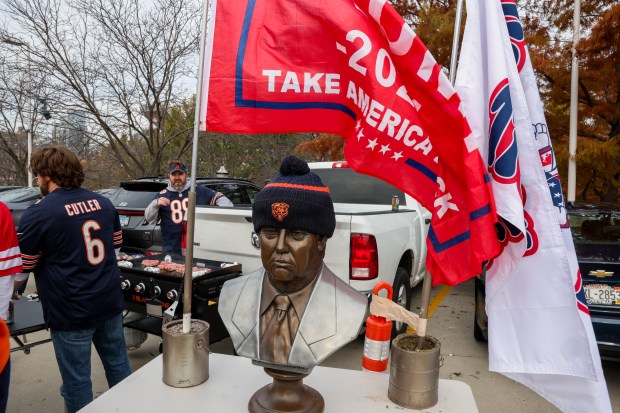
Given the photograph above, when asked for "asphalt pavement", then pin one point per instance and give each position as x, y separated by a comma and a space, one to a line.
35, 380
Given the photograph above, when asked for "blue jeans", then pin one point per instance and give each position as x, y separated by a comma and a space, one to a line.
73, 350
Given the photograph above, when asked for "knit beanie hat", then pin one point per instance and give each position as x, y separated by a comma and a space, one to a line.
295, 199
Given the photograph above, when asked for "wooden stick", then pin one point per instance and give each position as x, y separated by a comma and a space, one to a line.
426, 299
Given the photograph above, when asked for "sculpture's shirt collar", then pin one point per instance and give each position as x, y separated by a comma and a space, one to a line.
299, 298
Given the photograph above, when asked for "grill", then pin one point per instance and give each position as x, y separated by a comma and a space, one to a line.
150, 294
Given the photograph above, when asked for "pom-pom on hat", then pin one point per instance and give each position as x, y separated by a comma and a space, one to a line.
295, 199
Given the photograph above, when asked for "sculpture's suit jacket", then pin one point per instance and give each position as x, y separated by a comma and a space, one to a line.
333, 317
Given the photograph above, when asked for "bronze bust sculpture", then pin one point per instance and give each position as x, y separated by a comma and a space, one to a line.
294, 311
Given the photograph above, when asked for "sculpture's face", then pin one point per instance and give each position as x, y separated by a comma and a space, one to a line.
292, 258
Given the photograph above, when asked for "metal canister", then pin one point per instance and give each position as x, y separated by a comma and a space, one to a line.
395, 202
414, 374
186, 356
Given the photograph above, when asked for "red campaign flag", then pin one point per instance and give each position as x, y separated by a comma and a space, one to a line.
356, 69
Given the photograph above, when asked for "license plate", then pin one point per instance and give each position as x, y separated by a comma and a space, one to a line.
602, 294
124, 220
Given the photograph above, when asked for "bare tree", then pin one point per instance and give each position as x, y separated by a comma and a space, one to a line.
253, 157
120, 63
18, 113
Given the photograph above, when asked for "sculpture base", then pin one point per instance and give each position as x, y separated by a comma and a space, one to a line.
287, 394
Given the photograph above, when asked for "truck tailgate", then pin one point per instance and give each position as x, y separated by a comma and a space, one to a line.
338, 247
226, 234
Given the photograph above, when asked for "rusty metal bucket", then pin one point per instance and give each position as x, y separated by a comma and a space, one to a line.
186, 356
414, 375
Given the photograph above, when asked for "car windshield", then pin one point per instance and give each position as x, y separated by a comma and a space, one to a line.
122, 198
237, 193
349, 187
107, 192
19, 195
595, 227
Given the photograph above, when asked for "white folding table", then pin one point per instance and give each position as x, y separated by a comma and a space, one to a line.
233, 380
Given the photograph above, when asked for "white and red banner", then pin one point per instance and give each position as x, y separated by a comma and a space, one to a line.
540, 333
355, 68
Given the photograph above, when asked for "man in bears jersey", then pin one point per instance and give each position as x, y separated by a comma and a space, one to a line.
69, 239
171, 205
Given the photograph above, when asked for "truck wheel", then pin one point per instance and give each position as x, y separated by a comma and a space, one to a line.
402, 296
478, 334
480, 313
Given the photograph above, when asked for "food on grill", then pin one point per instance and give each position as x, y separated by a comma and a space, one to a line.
198, 271
150, 263
171, 266
125, 264
122, 256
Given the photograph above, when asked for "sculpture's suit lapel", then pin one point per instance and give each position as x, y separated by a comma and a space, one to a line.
318, 322
246, 315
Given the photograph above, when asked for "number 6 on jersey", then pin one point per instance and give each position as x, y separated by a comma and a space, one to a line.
95, 251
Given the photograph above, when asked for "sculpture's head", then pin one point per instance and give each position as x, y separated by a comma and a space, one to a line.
294, 217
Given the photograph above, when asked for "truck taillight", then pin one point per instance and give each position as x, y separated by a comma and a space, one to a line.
364, 261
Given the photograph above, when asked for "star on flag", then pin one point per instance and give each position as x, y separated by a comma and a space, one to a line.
360, 135
372, 143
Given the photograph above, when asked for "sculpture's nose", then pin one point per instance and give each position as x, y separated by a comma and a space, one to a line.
281, 245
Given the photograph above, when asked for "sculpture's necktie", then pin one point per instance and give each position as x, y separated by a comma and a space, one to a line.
277, 339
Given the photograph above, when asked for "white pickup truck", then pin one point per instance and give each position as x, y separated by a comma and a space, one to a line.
371, 243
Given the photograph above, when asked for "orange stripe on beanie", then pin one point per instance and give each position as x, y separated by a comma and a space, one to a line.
293, 186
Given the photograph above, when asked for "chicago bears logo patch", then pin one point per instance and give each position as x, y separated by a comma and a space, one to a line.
279, 210
163, 191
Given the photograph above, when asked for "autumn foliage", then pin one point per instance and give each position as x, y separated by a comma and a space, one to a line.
548, 28
324, 147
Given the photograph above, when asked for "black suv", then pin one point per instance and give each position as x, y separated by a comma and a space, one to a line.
132, 198
596, 233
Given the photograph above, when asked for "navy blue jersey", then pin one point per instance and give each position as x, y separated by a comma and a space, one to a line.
68, 240
172, 215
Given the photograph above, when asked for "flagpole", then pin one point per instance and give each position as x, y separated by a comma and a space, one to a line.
455, 40
191, 207
574, 94
427, 282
